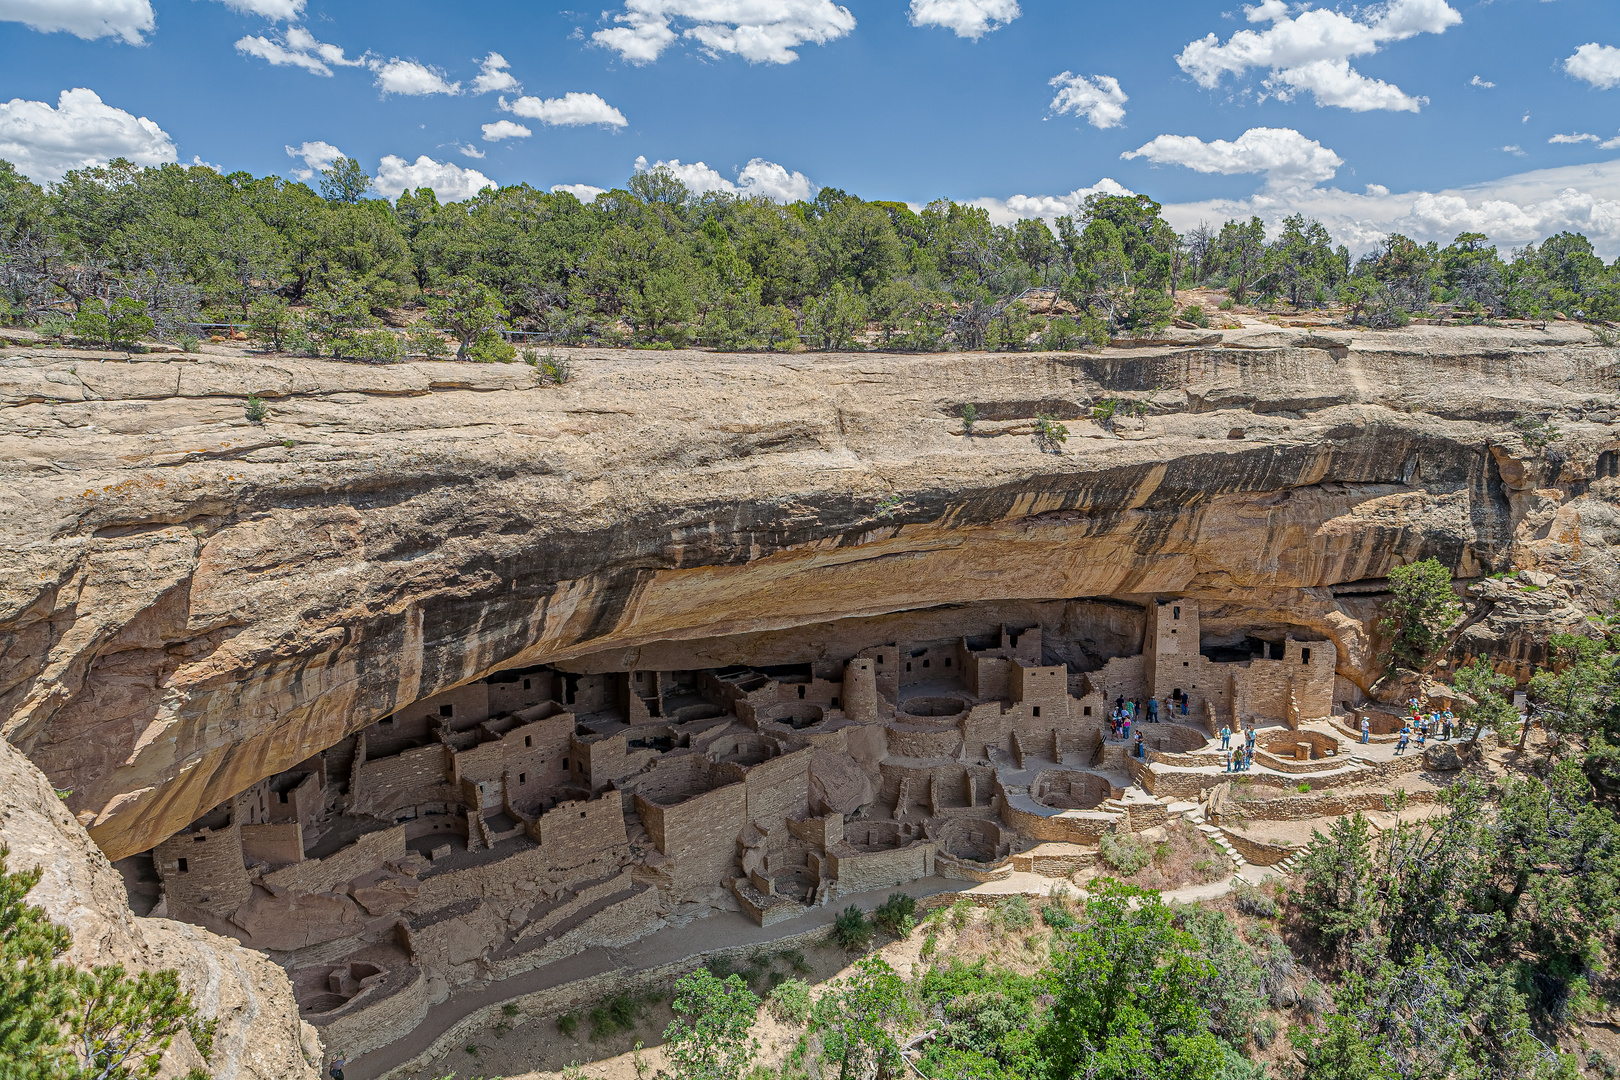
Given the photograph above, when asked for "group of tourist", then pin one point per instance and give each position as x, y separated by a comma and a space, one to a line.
1127, 714
1434, 723
1237, 759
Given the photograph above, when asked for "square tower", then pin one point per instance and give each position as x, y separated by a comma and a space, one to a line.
1170, 650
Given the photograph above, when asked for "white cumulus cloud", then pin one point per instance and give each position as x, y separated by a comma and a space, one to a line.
1287, 158
1482, 84
449, 182
1311, 50
492, 75
268, 9
469, 150
298, 48
1006, 211
1577, 137
1098, 98
1596, 64
410, 79
758, 178
759, 31
504, 129
44, 142
1512, 211
573, 109
583, 192
89, 19
316, 156
968, 18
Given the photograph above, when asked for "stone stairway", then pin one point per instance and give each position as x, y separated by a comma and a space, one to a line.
1213, 832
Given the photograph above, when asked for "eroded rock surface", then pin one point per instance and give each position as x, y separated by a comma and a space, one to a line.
259, 1037
190, 602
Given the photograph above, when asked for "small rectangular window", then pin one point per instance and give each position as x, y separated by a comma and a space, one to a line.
199, 838
1176, 611
1304, 656
447, 710
565, 763
525, 684
908, 665
528, 740
1037, 710
184, 869
801, 692
880, 658
523, 778
947, 661
1088, 710
582, 813
1172, 633
835, 703
1184, 663
386, 720
925, 663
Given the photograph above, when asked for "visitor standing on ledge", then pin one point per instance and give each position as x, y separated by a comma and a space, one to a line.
1406, 735
1140, 753
1366, 730
1226, 737
1153, 710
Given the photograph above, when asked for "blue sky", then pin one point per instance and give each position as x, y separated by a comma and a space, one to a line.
1429, 101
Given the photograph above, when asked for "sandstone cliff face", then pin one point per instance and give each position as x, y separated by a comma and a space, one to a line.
190, 602
259, 1037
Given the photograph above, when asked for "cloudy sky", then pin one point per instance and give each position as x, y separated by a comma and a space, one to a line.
1428, 116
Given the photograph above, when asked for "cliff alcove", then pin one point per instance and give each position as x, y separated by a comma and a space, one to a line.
438, 675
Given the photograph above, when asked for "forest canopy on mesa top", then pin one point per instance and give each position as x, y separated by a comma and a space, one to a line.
120, 251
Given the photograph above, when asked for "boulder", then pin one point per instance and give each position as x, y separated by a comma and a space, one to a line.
1442, 757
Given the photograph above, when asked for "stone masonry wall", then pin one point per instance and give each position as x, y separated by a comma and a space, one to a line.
324, 875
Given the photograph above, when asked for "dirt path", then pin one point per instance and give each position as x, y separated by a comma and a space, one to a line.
663, 947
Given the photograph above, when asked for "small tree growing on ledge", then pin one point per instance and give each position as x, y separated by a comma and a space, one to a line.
1050, 435
1422, 608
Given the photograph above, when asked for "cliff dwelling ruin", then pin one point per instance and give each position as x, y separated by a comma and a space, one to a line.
511, 822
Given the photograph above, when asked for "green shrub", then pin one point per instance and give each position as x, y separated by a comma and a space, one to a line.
375, 347
1050, 435
568, 1023
1013, 913
1227, 304
795, 960
189, 342
426, 341
491, 348
1194, 313
970, 416
1248, 899
256, 410
621, 1012
1058, 917
851, 930
553, 369
1124, 853
790, 1002
897, 915
930, 944
961, 913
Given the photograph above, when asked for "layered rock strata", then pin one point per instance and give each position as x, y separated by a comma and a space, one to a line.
191, 603
259, 1035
